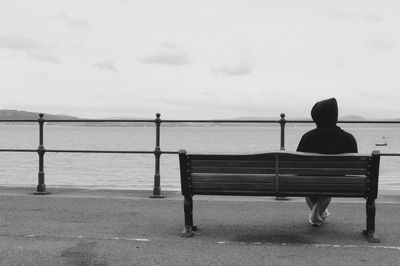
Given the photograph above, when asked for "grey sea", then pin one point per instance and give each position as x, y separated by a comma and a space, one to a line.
136, 171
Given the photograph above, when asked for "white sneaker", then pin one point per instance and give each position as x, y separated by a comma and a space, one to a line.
314, 222
325, 214
315, 219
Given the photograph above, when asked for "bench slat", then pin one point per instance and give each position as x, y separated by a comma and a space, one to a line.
236, 157
323, 158
265, 170
235, 192
214, 186
232, 163
299, 161
323, 164
323, 188
257, 178
325, 194
323, 171
273, 193
211, 188
296, 179
234, 170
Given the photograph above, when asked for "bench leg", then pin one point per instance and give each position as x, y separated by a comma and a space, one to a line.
370, 231
188, 209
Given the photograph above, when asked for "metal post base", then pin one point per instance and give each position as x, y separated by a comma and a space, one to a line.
41, 190
41, 193
157, 194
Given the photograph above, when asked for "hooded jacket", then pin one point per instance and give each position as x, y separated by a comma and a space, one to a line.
327, 137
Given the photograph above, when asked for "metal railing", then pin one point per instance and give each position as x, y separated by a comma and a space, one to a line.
41, 187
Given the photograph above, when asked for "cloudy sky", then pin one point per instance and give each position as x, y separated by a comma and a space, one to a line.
199, 59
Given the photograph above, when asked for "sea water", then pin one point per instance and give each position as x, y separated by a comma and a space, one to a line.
136, 171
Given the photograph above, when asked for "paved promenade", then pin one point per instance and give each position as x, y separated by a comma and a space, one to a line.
98, 227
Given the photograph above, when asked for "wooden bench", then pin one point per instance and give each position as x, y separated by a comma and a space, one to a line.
280, 174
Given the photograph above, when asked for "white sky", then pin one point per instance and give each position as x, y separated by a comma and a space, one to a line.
199, 59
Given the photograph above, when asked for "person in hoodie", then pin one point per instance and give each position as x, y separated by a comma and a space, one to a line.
326, 138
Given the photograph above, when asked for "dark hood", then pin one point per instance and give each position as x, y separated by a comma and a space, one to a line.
325, 113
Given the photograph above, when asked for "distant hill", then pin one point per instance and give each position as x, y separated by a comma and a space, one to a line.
351, 118
7, 114
342, 118
24, 115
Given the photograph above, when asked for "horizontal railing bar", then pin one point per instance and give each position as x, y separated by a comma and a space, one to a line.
119, 151
18, 150
87, 151
349, 121
97, 151
79, 120
100, 120
278, 121
18, 120
193, 121
110, 151
219, 121
144, 120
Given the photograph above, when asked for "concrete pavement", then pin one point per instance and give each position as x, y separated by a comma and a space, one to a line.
106, 227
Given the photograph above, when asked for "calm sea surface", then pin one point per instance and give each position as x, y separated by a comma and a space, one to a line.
136, 171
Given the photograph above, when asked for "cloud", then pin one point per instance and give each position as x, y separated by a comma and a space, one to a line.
380, 45
378, 96
339, 13
338, 64
74, 23
343, 14
125, 2
372, 18
171, 46
29, 47
233, 70
107, 65
170, 55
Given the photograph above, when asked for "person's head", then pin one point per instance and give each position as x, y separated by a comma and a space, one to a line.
325, 113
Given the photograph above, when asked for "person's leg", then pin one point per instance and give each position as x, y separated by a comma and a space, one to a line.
319, 211
311, 201
314, 218
324, 202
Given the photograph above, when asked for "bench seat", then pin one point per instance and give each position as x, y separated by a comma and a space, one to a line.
280, 174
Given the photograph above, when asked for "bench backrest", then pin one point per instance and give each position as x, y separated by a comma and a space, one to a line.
280, 174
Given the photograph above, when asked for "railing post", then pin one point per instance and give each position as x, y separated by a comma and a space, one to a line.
282, 121
41, 187
157, 155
